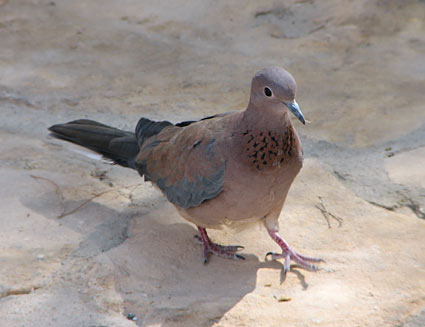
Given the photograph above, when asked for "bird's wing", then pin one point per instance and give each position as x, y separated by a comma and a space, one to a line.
189, 122
185, 163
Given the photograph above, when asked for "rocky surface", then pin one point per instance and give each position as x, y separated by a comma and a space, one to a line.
85, 244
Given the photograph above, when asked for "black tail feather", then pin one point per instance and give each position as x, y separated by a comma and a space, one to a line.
115, 144
146, 128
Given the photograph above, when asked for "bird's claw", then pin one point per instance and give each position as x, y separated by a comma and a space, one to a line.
300, 260
221, 253
225, 248
270, 253
224, 251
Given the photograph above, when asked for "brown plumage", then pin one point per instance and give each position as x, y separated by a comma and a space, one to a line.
227, 169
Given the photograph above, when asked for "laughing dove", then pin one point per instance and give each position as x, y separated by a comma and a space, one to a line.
227, 169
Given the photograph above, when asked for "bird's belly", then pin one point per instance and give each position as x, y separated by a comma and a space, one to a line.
246, 198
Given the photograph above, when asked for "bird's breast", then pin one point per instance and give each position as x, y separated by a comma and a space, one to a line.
268, 150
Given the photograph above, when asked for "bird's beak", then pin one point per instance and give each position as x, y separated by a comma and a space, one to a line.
295, 109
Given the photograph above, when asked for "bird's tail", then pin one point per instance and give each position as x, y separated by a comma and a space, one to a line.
114, 144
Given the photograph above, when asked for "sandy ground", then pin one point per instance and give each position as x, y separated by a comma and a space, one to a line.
120, 248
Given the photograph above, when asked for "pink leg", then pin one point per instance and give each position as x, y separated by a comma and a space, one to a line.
288, 254
213, 248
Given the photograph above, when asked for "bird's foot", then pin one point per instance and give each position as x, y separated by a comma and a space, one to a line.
288, 254
224, 251
226, 248
300, 260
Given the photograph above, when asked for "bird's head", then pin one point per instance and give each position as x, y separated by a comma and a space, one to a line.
275, 87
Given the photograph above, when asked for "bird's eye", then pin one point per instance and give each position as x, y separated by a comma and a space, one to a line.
267, 92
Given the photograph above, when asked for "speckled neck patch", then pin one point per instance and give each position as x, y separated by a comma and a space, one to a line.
266, 149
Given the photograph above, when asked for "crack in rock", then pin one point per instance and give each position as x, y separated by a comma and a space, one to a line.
19, 291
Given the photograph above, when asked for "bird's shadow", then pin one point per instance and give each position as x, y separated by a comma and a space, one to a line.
159, 271
182, 290
300, 276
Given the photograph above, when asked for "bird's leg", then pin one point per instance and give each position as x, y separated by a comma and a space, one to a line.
288, 254
213, 248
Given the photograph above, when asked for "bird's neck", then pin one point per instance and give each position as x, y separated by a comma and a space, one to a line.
271, 118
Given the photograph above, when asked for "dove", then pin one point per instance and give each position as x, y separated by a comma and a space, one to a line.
229, 169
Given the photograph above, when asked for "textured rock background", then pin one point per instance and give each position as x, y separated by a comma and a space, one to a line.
360, 68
